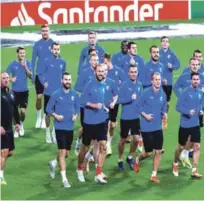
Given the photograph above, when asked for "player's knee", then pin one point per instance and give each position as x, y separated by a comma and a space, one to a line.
103, 147
23, 110
196, 147
10, 153
39, 97
4, 153
112, 125
158, 152
122, 141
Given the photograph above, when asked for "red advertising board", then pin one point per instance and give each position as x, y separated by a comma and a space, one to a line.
89, 11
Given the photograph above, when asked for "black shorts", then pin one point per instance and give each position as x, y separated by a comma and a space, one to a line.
82, 116
113, 113
64, 139
168, 92
184, 133
21, 99
7, 141
38, 86
129, 125
94, 132
46, 100
152, 140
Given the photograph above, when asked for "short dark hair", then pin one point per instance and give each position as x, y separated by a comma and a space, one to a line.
107, 56
197, 51
192, 58
44, 26
55, 43
130, 44
91, 50
124, 41
164, 37
65, 73
92, 32
155, 73
153, 46
19, 48
194, 74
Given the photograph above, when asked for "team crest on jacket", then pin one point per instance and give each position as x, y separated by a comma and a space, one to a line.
169, 56
161, 98
61, 66
116, 73
49, 47
72, 98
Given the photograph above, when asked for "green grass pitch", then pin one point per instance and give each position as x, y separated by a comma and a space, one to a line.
27, 172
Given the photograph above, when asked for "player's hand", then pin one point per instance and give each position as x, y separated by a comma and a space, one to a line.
3, 132
112, 105
149, 117
192, 112
134, 96
169, 65
74, 117
23, 63
46, 85
13, 79
59, 117
164, 81
17, 127
106, 109
98, 106
201, 113
165, 116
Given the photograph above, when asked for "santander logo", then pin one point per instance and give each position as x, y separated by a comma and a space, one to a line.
86, 11
23, 18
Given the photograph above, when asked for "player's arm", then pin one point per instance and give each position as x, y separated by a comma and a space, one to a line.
76, 108
34, 58
122, 76
64, 67
175, 65
50, 108
124, 96
28, 70
177, 86
82, 57
43, 73
164, 106
115, 92
180, 104
9, 71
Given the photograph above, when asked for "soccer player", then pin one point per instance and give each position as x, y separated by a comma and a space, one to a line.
118, 57
83, 79
116, 74
64, 107
152, 66
190, 104
41, 50
95, 124
92, 52
84, 56
20, 70
132, 58
129, 95
50, 77
185, 78
171, 63
153, 107
197, 54
8, 112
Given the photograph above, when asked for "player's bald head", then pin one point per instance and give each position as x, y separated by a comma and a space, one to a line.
4, 79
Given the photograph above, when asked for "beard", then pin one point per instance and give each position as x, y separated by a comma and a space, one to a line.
67, 86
